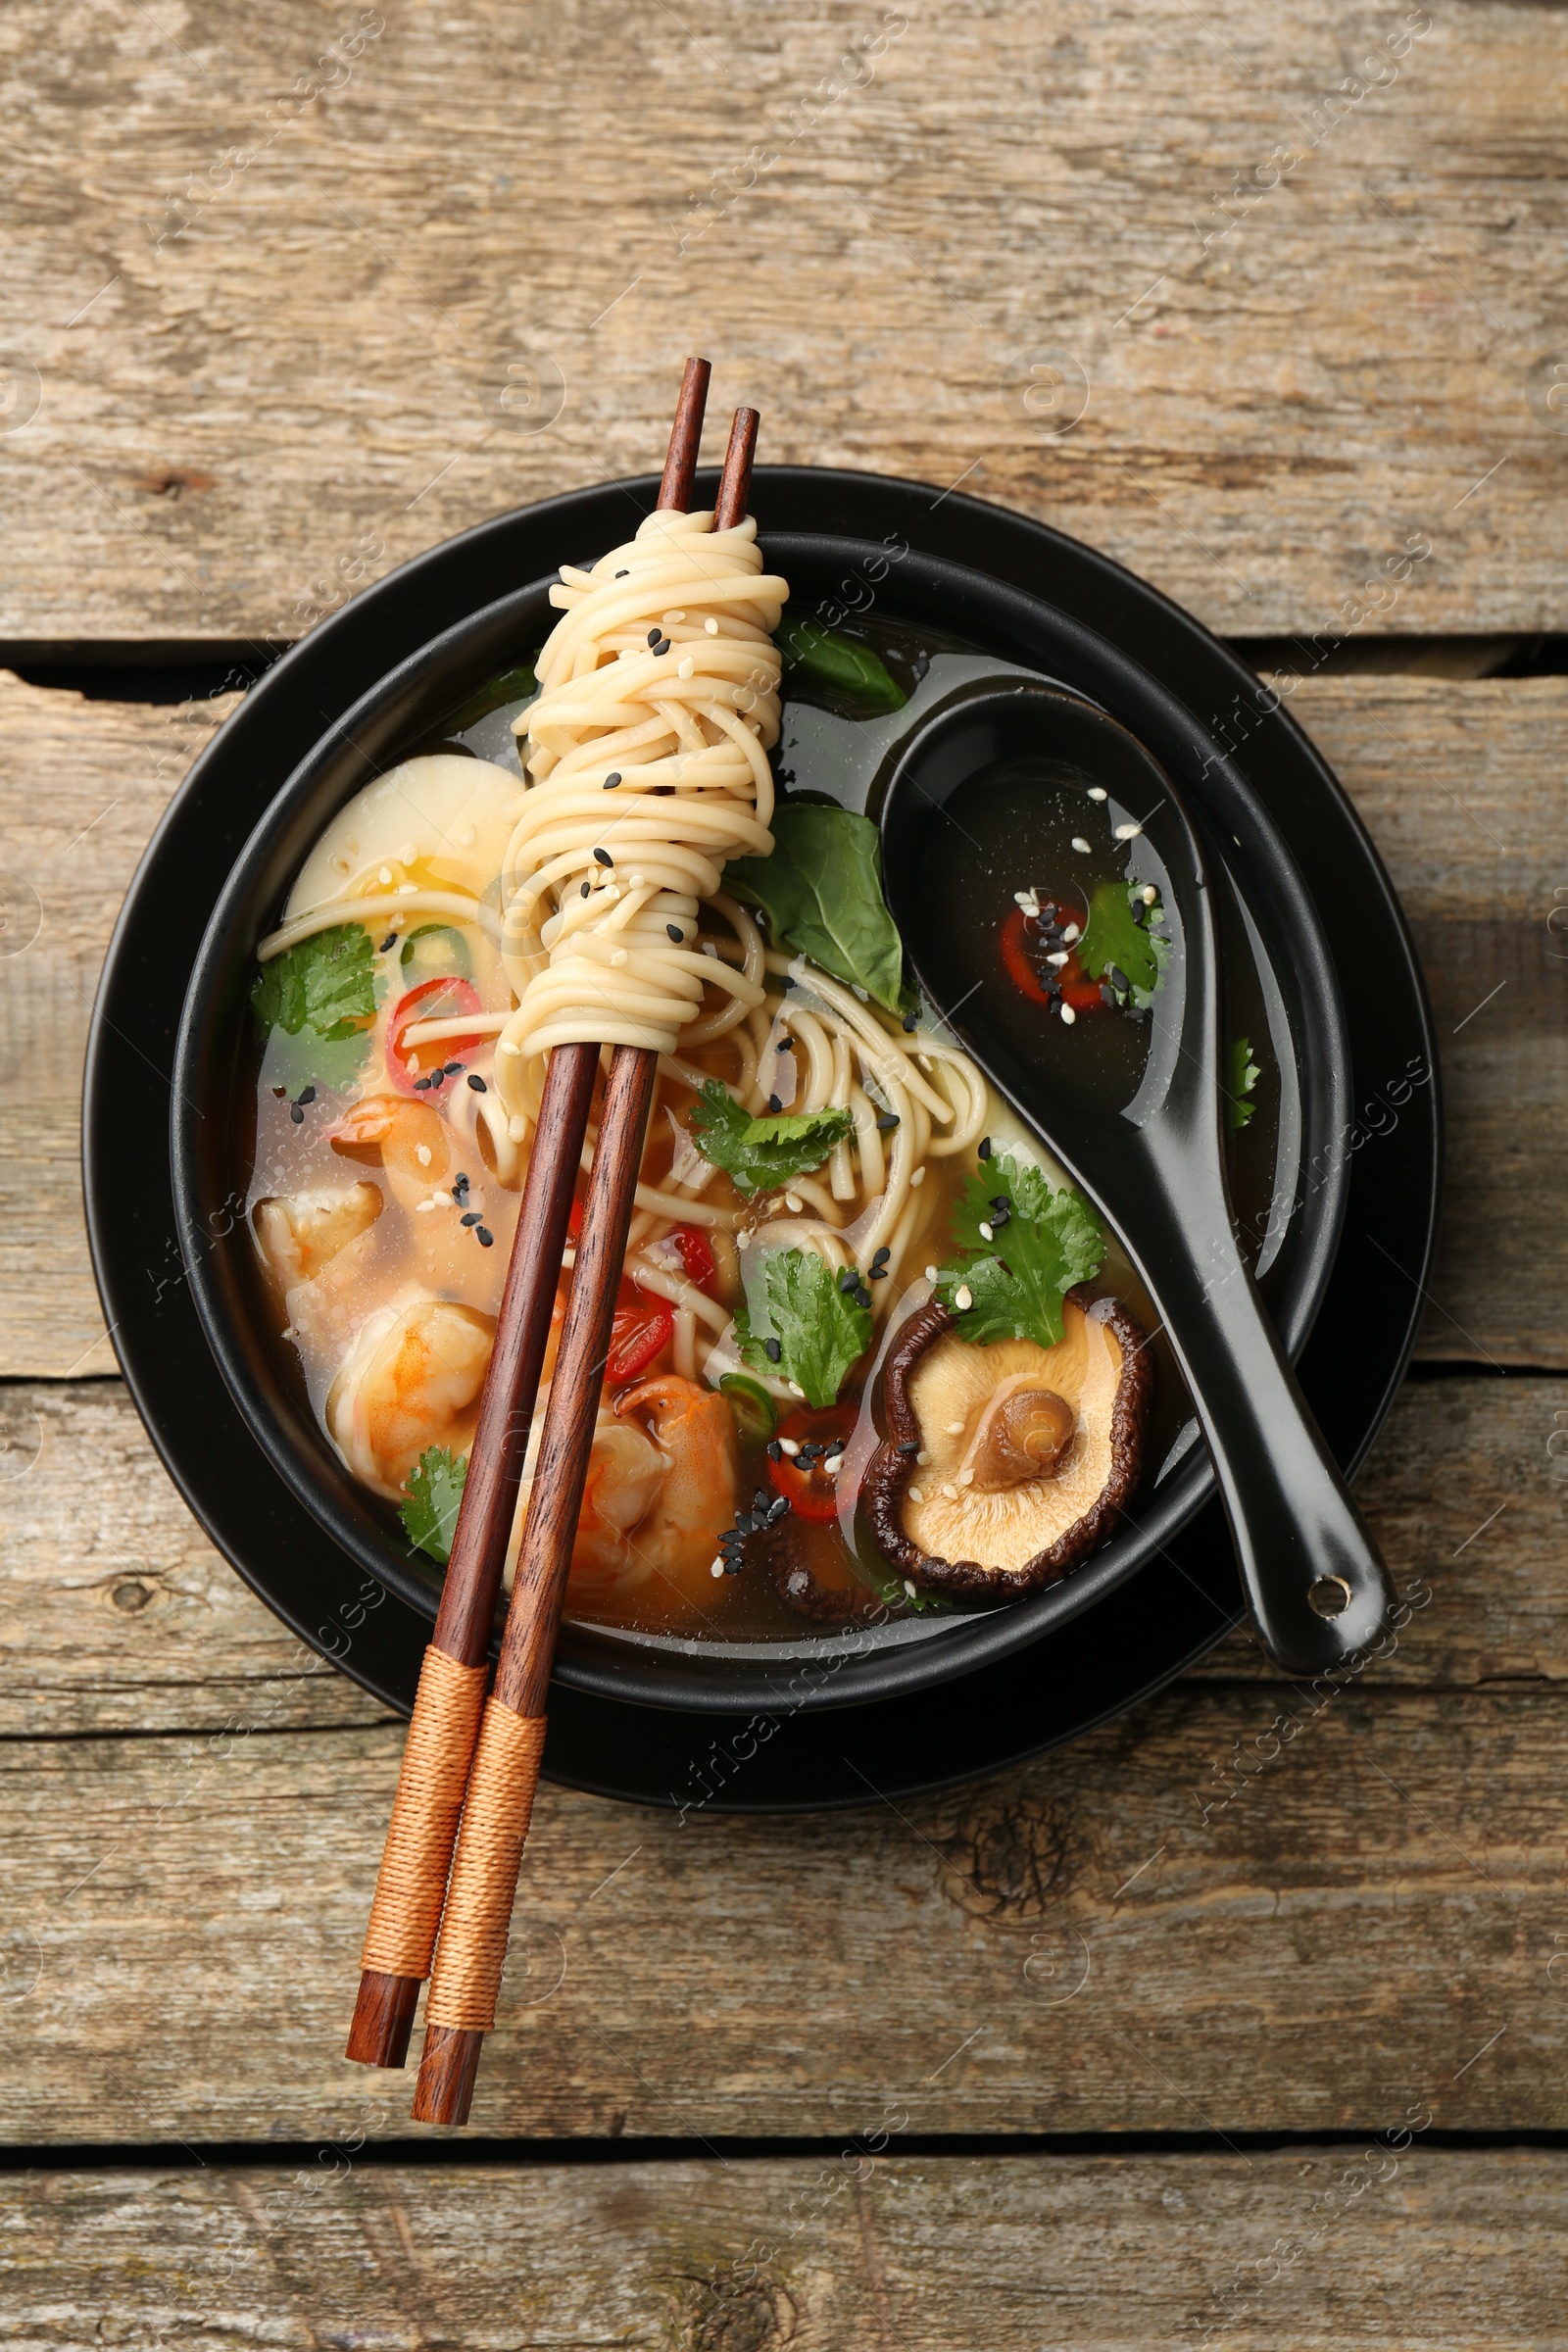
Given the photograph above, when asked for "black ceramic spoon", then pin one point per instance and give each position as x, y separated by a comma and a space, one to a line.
1053, 792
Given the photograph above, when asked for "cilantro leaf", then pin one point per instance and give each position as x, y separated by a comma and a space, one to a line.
435, 1490
839, 668
1245, 1074
1114, 941
1043, 1242
327, 982
818, 1329
760, 1155
821, 891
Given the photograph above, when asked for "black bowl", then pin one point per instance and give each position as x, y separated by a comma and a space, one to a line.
211, 1069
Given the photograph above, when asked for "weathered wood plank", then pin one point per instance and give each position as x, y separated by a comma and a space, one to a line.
1459, 783
283, 314
118, 1615
1233, 1909
1413, 2247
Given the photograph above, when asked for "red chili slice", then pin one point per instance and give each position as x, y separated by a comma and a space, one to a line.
443, 999
642, 1327
812, 1494
697, 1259
1025, 967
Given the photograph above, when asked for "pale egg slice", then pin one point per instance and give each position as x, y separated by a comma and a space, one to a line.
441, 822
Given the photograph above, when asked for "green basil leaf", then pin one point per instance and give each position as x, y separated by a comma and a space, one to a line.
821, 891
328, 983
839, 667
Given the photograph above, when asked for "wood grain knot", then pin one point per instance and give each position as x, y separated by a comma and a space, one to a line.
1012, 1856
751, 2318
173, 481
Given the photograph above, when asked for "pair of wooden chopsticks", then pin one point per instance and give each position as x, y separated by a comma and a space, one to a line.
469, 1760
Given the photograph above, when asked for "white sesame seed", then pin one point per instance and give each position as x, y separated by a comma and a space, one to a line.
684, 670
711, 626
1079, 843
954, 1429
950, 1490
1097, 792
916, 1495
422, 1153
743, 1241
716, 1568
1128, 832
794, 1202
620, 958
507, 1046
1151, 895
963, 1296
340, 865
290, 1333
796, 1390
415, 1064
1068, 1015
908, 1588
408, 890
930, 1273
1070, 933
833, 1465
1059, 957
385, 875
420, 1206
1022, 898
924, 1460
918, 1178
408, 853
986, 1234
967, 1478
789, 1446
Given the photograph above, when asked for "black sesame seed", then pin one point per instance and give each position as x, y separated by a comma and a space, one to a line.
999, 1217
586, 888
612, 781
661, 792
772, 1351
388, 943
603, 857
777, 1508
913, 1447
673, 931
459, 1182
437, 1079
306, 1095
473, 1218
654, 635
861, 1296
760, 1498
1117, 978
484, 1237
774, 1450
477, 1083
887, 1120
296, 1114
985, 1146
877, 1274
734, 1565
882, 1256
663, 646
849, 1281
911, 1022
623, 576
422, 1086
454, 1070
787, 982
774, 1103
1107, 995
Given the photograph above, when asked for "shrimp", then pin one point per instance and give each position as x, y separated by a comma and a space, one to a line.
417, 1151
411, 1380
655, 1497
300, 1232
695, 1431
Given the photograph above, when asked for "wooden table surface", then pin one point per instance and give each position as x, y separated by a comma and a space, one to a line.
1242, 2022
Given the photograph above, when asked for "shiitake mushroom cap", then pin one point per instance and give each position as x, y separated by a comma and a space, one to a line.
884, 1490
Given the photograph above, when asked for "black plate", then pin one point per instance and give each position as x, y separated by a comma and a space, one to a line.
1115, 1652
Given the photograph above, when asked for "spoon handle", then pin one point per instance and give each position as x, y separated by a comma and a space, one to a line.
1315, 1581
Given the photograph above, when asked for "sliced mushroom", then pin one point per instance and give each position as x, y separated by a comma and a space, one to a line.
302, 1232
1005, 1464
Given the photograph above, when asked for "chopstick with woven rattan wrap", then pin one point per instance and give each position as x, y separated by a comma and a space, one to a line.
411, 1886
467, 1973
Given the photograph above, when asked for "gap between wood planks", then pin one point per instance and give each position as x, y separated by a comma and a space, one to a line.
470, 2154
